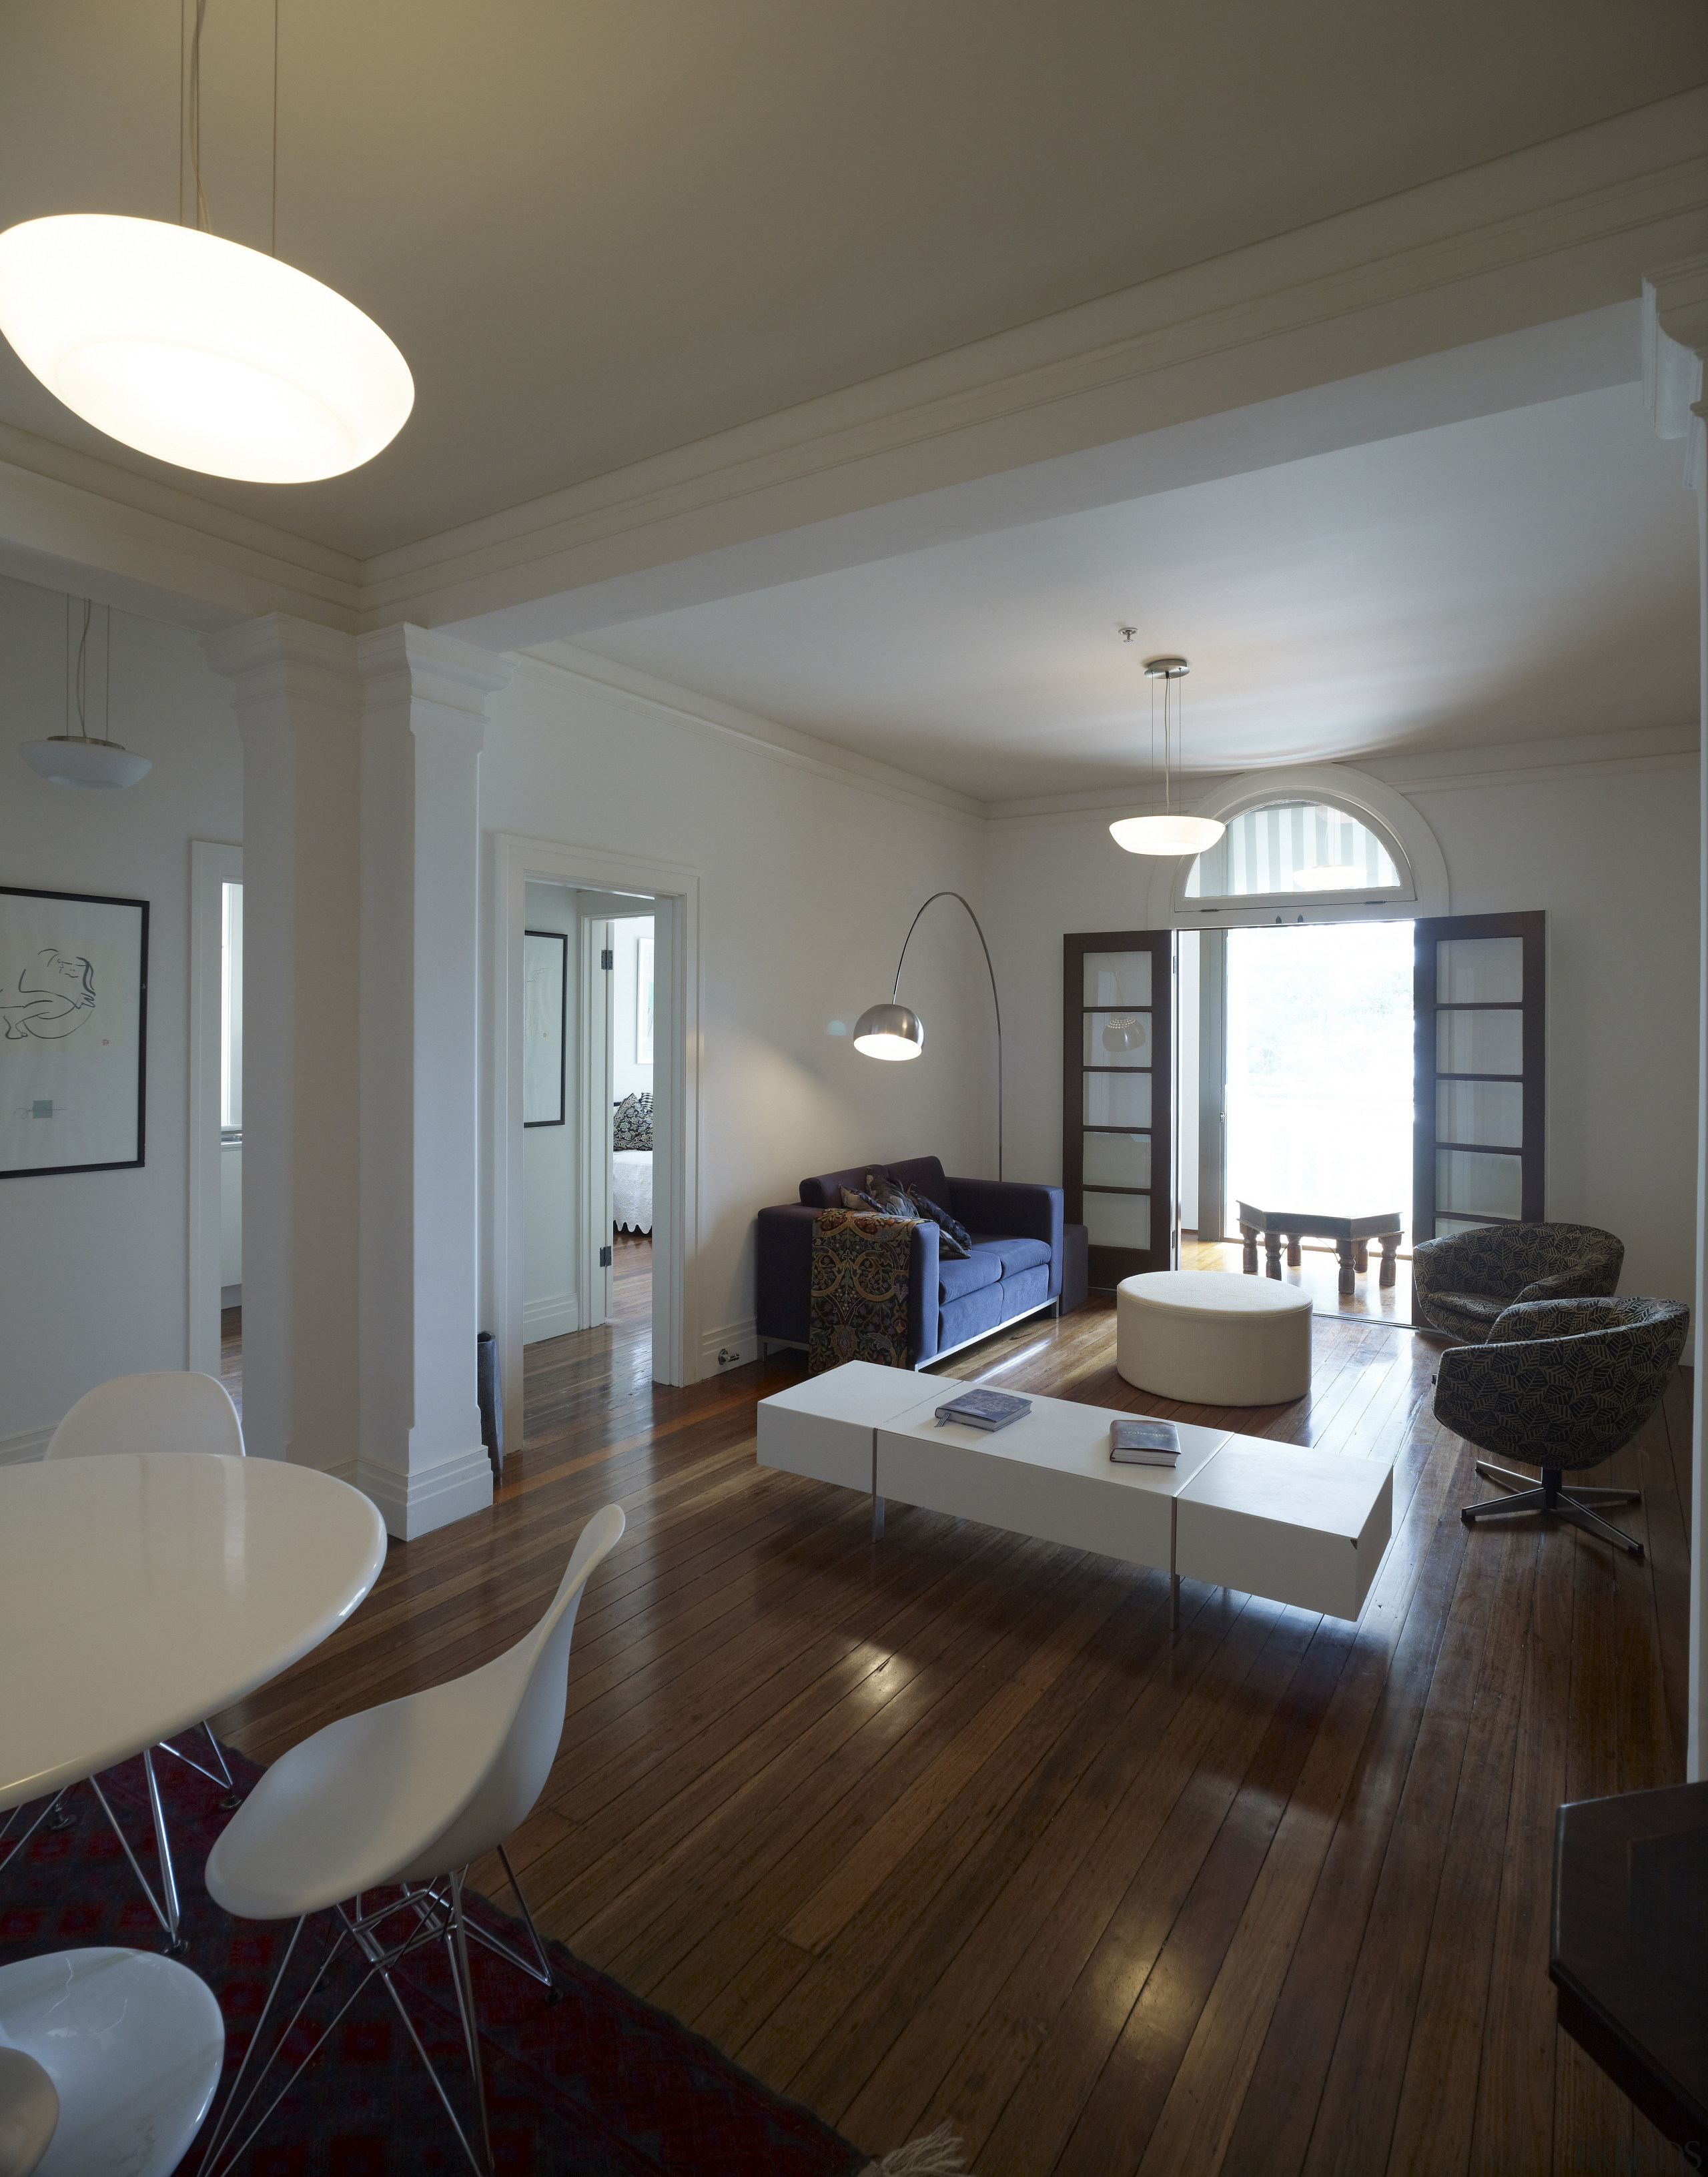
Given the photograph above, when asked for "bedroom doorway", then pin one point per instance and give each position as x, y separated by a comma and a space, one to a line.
588, 1147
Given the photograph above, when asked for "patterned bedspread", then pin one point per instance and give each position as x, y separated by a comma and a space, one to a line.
859, 1290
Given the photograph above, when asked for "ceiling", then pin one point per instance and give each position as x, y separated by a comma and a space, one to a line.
600, 230
1524, 576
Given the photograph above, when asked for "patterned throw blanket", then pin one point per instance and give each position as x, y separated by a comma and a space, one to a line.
859, 1290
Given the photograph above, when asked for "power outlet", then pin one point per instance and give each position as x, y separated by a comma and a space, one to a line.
725, 1356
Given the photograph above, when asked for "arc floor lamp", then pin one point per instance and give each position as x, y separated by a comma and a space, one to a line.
895, 1031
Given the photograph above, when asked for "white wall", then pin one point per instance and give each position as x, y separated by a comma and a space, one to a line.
810, 877
629, 1077
550, 1305
93, 1264
1608, 848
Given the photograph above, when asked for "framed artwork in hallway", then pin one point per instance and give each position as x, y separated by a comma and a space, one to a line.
73, 1032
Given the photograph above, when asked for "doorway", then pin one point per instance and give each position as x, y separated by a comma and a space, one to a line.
1304, 1094
589, 1029
214, 1297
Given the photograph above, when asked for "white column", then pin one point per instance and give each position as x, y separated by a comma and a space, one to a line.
424, 725
1675, 347
299, 710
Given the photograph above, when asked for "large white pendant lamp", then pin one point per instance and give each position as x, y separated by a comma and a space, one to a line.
197, 350
1171, 831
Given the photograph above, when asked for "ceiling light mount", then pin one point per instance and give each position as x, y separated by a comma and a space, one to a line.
1167, 668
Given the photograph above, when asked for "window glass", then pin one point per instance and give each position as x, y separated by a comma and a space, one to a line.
1115, 1159
1116, 1220
1304, 848
1117, 978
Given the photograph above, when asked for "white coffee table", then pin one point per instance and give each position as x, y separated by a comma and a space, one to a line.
142, 1592
1295, 1526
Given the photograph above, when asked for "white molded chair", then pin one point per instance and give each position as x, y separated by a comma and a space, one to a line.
406, 1795
132, 2046
169, 1411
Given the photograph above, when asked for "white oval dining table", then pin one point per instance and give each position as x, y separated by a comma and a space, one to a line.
143, 1591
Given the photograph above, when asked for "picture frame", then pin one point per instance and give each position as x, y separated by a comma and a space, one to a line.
73, 1032
643, 1001
545, 999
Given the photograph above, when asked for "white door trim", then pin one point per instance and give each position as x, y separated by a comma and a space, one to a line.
675, 893
211, 865
593, 1115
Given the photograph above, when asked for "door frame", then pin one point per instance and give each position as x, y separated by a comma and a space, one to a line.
675, 890
593, 1121
212, 865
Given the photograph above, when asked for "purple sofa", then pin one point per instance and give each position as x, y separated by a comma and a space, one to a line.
1015, 1267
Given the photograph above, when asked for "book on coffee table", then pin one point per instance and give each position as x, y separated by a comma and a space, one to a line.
1143, 1443
983, 1409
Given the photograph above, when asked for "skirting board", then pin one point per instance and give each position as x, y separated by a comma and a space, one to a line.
21, 1449
553, 1317
729, 1347
415, 1505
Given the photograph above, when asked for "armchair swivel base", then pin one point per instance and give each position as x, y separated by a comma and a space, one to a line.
1561, 1504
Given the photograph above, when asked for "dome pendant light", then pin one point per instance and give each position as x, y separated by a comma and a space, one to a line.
80, 759
1170, 832
197, 350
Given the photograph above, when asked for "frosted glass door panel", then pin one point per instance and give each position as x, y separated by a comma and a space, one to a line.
1117, 978
1479, 971
1483, 1185
1117, 1099
1479, 1043
1116, 1159
1117, 1220
1490, 1113
1118, 1039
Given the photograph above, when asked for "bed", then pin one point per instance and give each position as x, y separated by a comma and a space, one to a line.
632, 1190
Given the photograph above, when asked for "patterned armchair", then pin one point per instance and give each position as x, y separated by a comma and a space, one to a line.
1460, 1283
1561, 1384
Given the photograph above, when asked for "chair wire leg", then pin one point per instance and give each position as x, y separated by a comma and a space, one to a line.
465, 2004
136, 1865
547, 1973
18, 1844
227, 2116
481, 2170
168, 1872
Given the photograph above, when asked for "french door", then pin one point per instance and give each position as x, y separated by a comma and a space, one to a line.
1117, 1098
1479, 994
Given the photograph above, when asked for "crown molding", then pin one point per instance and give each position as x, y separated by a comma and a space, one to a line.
554, 663
1553, 231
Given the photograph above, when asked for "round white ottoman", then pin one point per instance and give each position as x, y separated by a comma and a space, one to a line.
1213, 1339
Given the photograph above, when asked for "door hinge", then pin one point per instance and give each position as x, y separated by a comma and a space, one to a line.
604, 1258
608, 958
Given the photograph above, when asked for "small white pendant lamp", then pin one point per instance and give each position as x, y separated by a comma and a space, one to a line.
195, 349
1170, 832
82, 758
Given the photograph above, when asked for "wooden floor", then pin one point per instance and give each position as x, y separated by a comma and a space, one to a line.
950, 1827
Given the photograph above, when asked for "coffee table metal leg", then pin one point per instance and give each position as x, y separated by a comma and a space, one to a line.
877, 1519
1173, 1576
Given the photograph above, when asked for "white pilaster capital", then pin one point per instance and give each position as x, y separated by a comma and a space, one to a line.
1675, 346
278, 655
408, 665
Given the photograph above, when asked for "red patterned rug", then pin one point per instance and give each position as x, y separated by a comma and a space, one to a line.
598, 2084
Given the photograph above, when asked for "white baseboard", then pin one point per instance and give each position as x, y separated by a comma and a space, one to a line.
728, 1346
27, 1445
414, 1504
553, 1317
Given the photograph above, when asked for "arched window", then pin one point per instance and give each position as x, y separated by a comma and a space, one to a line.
1283, 853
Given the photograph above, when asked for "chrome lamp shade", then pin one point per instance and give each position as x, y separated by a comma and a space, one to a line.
891, 1031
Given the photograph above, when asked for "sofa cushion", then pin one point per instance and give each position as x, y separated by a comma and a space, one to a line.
981, 1266
957, 1239
972, 1315
1024, 1289
1016, 1255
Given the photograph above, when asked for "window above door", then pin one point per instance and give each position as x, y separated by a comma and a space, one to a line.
1286, 851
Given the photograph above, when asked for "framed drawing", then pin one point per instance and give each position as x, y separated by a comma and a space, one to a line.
73, 1031
545, 988
643, 1001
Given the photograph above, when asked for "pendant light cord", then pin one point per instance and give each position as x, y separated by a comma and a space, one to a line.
274, 244
204, 221
82, 657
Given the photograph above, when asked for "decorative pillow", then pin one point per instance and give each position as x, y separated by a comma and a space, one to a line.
631, 1122
893, 1200
862, 1204
957, 1241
